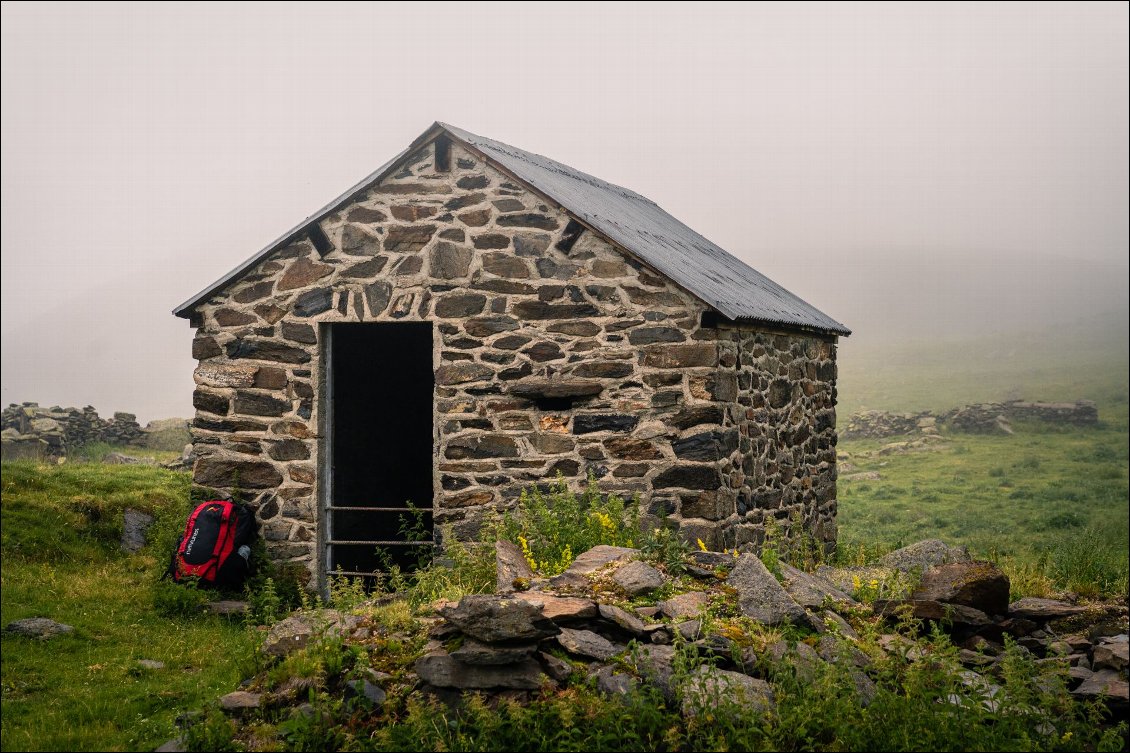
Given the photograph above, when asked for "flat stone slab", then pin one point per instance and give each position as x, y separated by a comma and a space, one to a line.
440, 669
601, 556
685, 606
862, 476
1032, 608
1104, 683
711, 561
500, 619
957, 614
554, 388
570, 582
638, 578
588, 644
485, 655
560, 608
38, 627
622, 619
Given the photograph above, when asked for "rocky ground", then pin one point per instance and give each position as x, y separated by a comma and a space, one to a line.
623, 623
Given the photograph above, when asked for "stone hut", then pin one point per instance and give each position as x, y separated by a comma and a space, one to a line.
471, 319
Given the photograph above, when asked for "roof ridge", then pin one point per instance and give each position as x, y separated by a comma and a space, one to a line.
558, 167
627, 219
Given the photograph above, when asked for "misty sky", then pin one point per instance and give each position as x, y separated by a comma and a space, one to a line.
912, 170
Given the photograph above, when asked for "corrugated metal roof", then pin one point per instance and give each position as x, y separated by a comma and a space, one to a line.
631, 221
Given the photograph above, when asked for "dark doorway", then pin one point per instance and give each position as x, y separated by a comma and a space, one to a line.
378, 445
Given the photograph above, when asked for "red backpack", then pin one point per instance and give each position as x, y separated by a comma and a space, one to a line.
209, 549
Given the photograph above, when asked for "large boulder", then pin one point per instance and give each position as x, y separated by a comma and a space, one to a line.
1033, 608
980, 585
760, 596
499, 619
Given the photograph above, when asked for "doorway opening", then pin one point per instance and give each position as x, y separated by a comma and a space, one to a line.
377, 446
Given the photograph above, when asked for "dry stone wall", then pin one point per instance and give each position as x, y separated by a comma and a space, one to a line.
980, 418
32, 432
554, 353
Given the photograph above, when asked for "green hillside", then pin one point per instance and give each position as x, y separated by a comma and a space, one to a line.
86, 690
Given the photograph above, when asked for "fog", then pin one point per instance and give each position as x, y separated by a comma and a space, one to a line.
912, 170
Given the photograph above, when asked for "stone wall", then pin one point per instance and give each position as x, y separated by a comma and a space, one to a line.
979, 418
784, 465
32, 432
1079, 413
529, 309
879, 423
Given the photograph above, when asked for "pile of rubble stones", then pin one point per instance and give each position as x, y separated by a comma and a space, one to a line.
510, 643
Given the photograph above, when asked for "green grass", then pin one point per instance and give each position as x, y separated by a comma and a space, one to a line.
1050, 502
85, 691
95, 451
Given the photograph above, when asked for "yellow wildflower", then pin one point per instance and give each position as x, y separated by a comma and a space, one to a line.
526, 553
